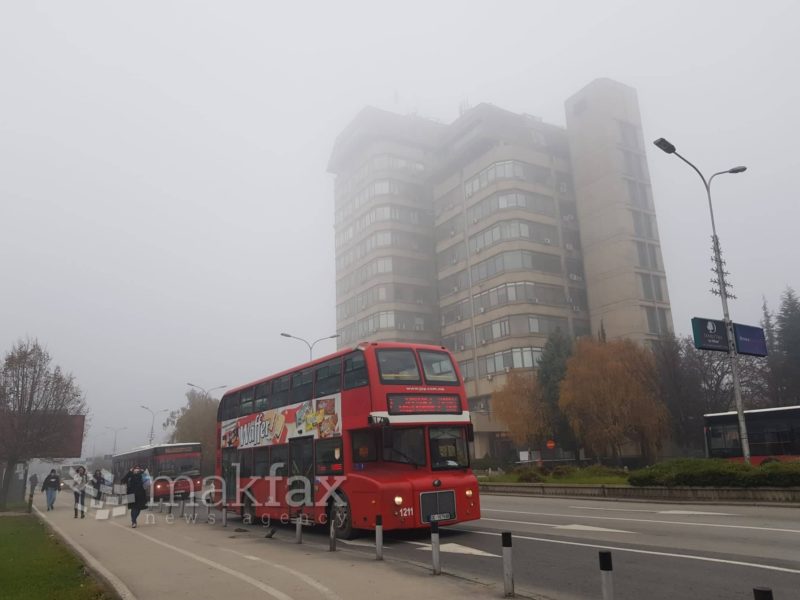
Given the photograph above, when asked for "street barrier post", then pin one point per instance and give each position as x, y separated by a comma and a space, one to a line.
332, 534
762, 593
508, 569
606, 577
379, 537
224, 516
298, 530
161, 505
194, 510
437, 566
183, 508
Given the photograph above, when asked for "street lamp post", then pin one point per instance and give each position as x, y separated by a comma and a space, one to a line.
312, 344
115, 430
667, 147
153, 422
204, 390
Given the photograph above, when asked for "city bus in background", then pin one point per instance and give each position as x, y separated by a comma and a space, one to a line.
166, 463
388, 421
772, 433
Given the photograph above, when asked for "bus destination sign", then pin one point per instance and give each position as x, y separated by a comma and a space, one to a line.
402, 404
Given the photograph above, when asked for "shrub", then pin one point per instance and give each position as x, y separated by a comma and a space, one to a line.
529, 475
489, 462
563, 471
716, 473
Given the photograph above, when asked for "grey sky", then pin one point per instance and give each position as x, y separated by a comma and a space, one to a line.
164, 206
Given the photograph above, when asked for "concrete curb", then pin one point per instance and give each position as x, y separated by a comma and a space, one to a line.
98, 570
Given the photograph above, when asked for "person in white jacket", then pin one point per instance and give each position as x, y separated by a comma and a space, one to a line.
79, 482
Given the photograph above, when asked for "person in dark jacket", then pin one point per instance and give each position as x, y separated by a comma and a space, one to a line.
98, 482
50, 486
137, 496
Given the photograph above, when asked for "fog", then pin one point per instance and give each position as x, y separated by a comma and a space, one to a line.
165, 210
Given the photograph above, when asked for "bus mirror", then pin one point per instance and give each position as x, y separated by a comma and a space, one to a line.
470, 433
388, 436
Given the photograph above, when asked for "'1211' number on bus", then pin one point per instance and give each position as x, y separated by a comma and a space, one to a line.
406, 512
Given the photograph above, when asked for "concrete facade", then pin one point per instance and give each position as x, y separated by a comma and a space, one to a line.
522, 228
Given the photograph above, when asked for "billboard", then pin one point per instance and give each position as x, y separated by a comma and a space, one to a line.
42, 435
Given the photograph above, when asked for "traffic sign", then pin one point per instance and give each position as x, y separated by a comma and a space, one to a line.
750, 340
550, 444
710, 334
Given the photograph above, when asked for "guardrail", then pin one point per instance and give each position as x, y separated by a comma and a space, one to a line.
695, 494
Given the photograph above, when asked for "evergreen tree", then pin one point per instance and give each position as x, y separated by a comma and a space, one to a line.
771, 367
552, 369
787, 324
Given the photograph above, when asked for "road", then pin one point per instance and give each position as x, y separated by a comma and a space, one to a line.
660, 551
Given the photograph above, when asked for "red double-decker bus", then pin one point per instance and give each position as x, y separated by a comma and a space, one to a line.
174, 468
384, 424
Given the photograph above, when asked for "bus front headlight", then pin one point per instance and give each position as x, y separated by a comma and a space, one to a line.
469, 493
398, 500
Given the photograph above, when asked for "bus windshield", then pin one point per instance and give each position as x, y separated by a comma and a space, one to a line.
171, 466
398, 366
448, 448
438, 367
408, 446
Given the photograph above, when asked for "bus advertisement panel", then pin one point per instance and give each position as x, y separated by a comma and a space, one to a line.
380, 429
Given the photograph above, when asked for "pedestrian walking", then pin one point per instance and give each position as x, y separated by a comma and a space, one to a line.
33, 480
50, 487
79, 482
98, 482
137, 496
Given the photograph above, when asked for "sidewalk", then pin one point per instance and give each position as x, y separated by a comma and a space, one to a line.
198, 560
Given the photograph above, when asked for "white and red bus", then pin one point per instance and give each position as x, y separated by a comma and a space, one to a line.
773, 433
174, 468
384, 424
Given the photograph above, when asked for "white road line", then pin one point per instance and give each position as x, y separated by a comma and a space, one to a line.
538, 514
657, 512
649, 552
275, 593
589, 528
603, 508
326, 592
455, 549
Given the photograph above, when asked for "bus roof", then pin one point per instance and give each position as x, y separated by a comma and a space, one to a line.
755, 411
338, 353
153, 447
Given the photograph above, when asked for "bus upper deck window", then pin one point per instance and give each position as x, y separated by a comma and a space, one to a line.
398, 366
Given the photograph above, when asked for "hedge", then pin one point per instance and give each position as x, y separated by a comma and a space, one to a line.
703, 472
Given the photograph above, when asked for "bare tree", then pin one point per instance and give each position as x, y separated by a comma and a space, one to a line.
34, 398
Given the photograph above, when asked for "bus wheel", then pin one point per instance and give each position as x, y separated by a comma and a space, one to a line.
343, 519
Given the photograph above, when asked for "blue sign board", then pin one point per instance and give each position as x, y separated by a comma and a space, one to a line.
750, 340
710, 334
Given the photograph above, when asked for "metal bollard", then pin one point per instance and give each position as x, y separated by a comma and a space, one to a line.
224, 516
194, 510
437, 566
298, 529
161, 505
762, 593
183, 508
332, 534
379, 537
508, 569
606, 578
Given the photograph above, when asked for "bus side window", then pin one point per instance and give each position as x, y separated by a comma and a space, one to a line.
246, 403
279, 455
302, 383
329, 456
245, 463
261, 462
280, 392
262, 391
365, 448
328, 378
355, 371
231, 409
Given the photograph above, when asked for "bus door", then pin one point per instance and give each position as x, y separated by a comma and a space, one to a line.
229, 458
301, 467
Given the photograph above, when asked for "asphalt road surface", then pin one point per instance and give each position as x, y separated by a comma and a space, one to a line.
660, 551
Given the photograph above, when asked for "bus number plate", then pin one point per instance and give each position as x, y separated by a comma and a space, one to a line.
441, 517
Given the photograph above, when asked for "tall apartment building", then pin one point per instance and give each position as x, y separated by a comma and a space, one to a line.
488, 234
